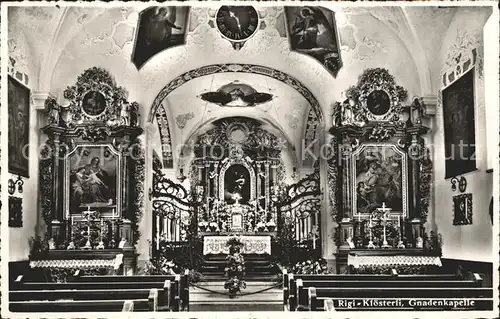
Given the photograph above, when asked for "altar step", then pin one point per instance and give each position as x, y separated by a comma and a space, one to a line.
256, 265
201, 300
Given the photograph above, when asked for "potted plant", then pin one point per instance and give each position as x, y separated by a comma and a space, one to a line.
213, 226
271, 225
203, 225
260, 226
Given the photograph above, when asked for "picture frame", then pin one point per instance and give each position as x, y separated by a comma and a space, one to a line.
378, 175
19, 98
159, 29
15, 212
302, 27
92, 180
459, 125
462, 209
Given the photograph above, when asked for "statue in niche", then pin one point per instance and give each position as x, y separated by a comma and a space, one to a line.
53, 110
237, 184
125, 113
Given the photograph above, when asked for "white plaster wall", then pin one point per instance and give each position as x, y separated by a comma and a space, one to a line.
471, 242
18, 237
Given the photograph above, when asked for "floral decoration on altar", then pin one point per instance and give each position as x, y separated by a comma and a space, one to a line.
235, 269
310, 266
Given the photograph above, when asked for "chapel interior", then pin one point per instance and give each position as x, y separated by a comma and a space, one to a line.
359, 140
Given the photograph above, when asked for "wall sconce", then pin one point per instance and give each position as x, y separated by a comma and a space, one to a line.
181, 177
11, 187
462, 184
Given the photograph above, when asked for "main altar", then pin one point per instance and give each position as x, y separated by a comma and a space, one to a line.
236, 188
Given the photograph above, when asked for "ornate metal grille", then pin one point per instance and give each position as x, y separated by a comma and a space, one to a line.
298, 210
174, 212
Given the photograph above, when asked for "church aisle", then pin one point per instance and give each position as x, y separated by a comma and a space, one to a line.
202, 300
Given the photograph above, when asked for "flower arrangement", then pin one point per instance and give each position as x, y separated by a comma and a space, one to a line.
235, 268
260, 226
308, 267
271, 225
203, 225
161, 266
213, 226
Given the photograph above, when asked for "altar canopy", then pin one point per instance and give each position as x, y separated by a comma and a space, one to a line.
251, 245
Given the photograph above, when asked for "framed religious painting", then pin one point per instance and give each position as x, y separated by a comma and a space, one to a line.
379, 177
312, 31
459, 126
159, 28
19, 125
92, 180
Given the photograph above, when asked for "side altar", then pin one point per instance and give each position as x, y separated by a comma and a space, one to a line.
380, 177
91, 177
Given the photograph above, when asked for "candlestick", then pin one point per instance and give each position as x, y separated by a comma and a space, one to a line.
370, 243
400, 224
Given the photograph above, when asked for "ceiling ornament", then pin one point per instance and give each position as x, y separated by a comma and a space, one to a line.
182, 119
207, 70
236, 94
313, 31
462, 56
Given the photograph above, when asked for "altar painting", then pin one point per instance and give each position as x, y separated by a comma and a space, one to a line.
237, 184
19, 127
379, 178
459, 126
92, 178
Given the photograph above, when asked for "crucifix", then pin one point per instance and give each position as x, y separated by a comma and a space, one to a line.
88, 216
384, 212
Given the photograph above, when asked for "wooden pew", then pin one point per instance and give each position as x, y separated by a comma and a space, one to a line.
76, 306
107, 287
360, 279
308, 296
27, 299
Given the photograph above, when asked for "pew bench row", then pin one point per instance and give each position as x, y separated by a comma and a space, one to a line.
154, 293
310, 292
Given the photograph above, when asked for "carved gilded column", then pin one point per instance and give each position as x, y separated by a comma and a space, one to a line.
266, 189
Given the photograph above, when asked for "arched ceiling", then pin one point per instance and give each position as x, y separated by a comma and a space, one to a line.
188, 112
64, 41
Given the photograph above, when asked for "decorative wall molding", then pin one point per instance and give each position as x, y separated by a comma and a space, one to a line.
429, 103
463, 55
39, 98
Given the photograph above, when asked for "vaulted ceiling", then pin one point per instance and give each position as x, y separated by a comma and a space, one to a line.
54, 44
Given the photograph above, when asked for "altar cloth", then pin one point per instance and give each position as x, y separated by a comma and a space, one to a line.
251, 244
396, 260
78, 263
